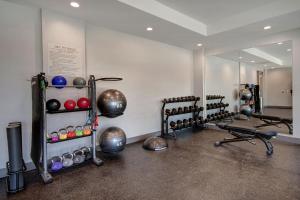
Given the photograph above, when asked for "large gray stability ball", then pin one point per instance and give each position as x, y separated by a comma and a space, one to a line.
112, 140
246, 110
245, 94
112, 103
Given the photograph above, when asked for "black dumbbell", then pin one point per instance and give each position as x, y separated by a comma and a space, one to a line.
185, 109
174, 99
168, 111
185, 123
193, 98
179, 124
180, 110
173, 125
174, 111
191, 122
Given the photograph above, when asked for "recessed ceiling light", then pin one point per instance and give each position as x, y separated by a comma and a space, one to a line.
289, 50
199, 45
267, 27
265, 65
279, 43
149, 29
74, 4
240, 57
252, 61
272, 67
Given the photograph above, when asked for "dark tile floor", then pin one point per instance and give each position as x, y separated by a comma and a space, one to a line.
190, 169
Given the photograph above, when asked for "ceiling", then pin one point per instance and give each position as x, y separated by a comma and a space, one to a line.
212, 11
184, 23
278, 51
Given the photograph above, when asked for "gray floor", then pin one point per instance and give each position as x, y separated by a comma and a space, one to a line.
191, 168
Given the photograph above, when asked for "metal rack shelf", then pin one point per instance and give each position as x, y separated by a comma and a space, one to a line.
68, 139
39, 123
68, 111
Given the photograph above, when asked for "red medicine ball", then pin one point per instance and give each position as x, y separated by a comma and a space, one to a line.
70, 104
83, 102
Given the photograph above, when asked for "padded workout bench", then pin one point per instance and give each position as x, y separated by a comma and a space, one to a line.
247, 134
274, 121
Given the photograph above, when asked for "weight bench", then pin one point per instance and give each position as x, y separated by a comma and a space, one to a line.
274, 121
247, 134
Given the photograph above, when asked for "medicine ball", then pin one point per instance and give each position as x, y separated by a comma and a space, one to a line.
111, 103
83, 102
112, 140
246, 110
53, 105
70, 104
245, 94
59, 82
79, 82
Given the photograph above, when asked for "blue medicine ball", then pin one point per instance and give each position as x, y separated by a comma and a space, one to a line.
59, 82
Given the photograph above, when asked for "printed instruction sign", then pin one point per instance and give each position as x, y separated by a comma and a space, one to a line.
64, 60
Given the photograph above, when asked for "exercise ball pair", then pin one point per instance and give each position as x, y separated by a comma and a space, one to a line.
83, 103
60, 82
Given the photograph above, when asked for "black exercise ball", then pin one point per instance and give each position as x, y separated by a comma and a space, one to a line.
52, 105
112, 140
79, 82
111, 103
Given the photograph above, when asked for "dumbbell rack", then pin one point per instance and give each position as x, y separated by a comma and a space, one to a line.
221, 108
39, 123
165, 117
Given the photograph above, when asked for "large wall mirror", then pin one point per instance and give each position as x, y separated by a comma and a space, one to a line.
262, 75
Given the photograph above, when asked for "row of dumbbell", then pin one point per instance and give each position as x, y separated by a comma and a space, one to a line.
220, 115
186, 123
181, 99
180, 110
211, 97
216, 105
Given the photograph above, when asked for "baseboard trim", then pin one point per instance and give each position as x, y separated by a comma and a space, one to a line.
30, 166
288, 138
279, 107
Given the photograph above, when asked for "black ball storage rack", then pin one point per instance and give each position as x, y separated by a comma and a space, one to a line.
218, 108
39, 143
195, 111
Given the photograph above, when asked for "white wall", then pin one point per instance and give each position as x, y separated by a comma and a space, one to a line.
222, 77
278, 84
248, 73
151, 72
20, 58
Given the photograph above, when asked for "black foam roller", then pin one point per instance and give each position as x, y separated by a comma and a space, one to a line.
15, 167
14, 141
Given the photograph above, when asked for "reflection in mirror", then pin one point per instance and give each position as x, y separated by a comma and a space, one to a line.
265, 85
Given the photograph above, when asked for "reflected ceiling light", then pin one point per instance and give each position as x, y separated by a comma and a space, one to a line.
289, 50
279, 43
199, 45
240, 57
74, 4
149, 29
267, 27
252, 61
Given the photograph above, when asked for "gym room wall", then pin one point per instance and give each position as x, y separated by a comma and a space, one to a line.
221, 77
151, 71
277, 81
20, 58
